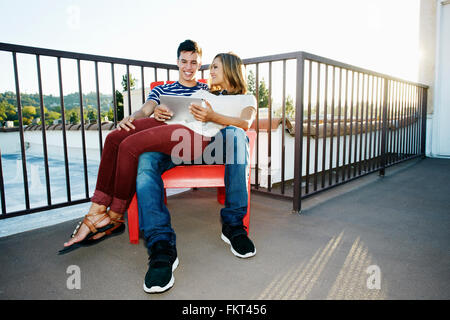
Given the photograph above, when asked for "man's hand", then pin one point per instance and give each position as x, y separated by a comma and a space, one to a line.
162, 113
126, 124
202, 114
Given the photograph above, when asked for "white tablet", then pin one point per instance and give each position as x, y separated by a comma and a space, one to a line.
179, 105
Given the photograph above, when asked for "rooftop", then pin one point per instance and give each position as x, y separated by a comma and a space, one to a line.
399, 223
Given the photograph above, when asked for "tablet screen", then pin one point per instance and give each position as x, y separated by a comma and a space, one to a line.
179, 105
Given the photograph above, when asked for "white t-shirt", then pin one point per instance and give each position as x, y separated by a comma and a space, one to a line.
227, 105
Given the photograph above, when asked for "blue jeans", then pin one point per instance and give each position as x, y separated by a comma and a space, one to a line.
154, 217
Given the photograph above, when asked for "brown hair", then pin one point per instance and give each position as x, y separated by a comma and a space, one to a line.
233, 72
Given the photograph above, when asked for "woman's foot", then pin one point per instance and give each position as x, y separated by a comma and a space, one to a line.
95, 219
96, 226
117, 225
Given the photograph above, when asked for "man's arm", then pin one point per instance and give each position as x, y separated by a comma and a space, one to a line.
160, 112
145, 111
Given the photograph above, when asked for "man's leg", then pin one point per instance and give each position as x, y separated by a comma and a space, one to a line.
237, 160
154, 220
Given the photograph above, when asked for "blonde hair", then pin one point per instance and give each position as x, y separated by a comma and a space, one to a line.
233, 72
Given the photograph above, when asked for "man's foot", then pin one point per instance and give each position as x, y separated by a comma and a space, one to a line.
236, 237
163, 261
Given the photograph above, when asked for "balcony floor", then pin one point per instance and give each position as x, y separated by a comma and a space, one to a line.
399, 223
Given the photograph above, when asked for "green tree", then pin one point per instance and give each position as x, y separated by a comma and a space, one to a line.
3, 110
109, 114
251, 83
28, 111
263, 99
119, 100
28, 114
51, 116
125, 82
73, 116
9, 111
289, 109
91, 114
38, 112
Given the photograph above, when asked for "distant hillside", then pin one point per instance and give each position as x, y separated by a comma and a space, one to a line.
51, 102
31, 111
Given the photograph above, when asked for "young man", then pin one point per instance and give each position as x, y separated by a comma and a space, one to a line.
189, 62
154, 217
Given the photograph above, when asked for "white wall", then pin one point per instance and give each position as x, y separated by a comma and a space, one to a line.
440, 122
276, 160
136, 100
10, 143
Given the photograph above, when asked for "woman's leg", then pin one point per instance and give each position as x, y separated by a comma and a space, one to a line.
162, 139
104, 189
236, 159
105, 179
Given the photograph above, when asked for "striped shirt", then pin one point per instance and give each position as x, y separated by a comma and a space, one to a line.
174, 89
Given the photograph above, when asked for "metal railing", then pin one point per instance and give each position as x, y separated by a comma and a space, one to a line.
78, 57
353, 121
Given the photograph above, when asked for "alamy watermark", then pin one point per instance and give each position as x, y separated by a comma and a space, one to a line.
233, 151
74, 279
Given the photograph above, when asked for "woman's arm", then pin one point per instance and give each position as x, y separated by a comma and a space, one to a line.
208, 114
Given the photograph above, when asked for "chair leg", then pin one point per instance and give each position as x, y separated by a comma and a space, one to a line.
246, 219
133, 221
221, 195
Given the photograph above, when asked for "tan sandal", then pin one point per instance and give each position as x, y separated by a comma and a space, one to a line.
117, 224
91, 224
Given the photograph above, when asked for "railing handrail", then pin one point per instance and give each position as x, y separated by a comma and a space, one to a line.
313, 57
317, 58
261, 59
82, 56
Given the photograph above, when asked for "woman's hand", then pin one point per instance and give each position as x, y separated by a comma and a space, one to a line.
202, 114
162, 113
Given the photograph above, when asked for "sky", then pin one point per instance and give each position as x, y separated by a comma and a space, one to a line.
379, 35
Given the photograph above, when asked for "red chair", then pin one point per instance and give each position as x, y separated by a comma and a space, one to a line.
193, 176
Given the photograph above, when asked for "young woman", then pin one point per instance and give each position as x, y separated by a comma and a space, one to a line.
118, 167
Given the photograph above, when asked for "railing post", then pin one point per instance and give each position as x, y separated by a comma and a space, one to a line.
2, 188
384, 127
128, 90
21, 134
298, 163
424, 122
44, 135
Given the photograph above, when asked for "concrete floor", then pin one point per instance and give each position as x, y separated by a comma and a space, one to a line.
393, 230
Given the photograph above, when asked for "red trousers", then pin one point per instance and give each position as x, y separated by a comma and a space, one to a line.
116, 180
